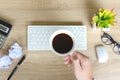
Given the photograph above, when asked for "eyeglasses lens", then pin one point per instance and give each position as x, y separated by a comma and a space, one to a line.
116, 49
106, 40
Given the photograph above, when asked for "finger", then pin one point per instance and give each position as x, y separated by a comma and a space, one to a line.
76, 61
69, 65
74, 56
68, 62
84, 60
67, 57
81, 56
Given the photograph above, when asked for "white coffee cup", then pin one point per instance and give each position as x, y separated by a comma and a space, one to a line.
59, 39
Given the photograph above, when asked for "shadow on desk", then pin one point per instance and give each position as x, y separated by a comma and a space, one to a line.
54, 23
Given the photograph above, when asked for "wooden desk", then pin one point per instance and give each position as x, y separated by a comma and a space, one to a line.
44, 65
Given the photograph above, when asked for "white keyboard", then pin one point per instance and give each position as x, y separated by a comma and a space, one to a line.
39, 36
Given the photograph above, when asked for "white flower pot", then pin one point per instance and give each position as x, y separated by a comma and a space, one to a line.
106, 29
95, 28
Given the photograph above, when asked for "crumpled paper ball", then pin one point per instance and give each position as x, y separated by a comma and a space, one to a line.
15, 51
5, 61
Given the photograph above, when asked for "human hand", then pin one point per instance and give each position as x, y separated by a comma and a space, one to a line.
82, 65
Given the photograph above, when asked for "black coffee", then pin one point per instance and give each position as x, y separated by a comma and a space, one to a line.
62, 43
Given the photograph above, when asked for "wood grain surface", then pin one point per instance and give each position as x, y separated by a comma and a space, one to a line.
45, 65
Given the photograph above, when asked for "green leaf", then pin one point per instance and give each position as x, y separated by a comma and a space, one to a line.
104, 18
95, 19
107, 14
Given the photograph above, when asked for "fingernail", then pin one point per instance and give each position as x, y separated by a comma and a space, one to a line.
68, 65
66, 62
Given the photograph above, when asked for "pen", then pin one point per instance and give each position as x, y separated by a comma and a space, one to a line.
16, 67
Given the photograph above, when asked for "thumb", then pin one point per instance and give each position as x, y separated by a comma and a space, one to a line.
77, 65
76, 62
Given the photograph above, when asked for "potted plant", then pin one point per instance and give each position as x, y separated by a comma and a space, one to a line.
103, 19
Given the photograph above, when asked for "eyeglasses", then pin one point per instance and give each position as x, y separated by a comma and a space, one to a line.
108, 40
